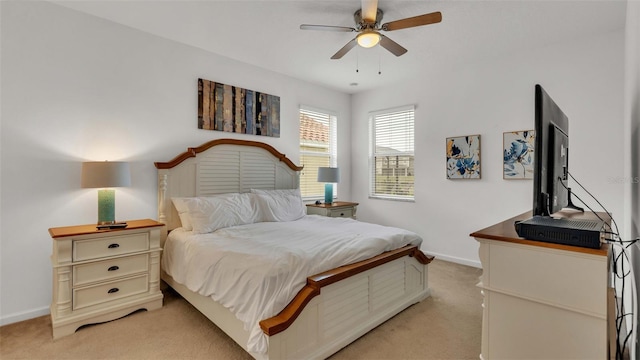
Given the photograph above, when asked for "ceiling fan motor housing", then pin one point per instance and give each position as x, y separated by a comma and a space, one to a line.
364, 25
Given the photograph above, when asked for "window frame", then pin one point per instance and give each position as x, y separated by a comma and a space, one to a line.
373, 154
333, 146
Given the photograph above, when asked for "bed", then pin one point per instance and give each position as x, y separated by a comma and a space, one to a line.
334, 306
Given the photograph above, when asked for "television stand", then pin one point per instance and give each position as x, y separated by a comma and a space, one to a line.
571, 205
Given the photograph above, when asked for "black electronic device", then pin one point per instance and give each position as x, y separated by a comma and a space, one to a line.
575, 232
120, 225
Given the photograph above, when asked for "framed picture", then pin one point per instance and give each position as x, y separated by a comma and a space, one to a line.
518, 154
234, 109
463, 157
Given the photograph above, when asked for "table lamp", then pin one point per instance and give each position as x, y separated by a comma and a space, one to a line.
328, 175
106, 175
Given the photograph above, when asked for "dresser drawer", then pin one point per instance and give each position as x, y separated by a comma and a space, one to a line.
97, 294
517, 270
109, 246
110, 269
345, 213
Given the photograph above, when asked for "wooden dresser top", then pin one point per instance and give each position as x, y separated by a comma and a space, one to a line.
506, 231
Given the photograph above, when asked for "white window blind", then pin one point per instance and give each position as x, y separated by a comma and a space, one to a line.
391, 162
318, 138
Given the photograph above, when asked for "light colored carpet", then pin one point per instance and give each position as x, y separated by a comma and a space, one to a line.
446, 325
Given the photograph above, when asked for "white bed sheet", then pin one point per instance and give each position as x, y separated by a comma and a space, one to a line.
255, 270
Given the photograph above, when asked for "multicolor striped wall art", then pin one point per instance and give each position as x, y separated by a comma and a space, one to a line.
234, 109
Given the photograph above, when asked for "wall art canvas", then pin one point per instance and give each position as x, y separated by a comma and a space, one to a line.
518, 154
463, 157
230, 108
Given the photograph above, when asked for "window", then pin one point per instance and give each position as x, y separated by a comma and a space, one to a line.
392, 154
318, 138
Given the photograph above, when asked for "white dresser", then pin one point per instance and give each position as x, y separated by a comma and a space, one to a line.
542, 300
102, 275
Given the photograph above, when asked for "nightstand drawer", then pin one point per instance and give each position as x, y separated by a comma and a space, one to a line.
93, 295
110, 269
110, 246
345, 213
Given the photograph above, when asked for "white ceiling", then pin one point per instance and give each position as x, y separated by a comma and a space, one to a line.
266, 33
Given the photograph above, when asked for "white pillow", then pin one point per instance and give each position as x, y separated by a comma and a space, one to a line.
209, 214
280, 205
183, 212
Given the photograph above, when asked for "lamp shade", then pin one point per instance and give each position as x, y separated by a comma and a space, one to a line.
328, 175
105, 174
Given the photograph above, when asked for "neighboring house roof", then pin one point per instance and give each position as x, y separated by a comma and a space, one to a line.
313, 131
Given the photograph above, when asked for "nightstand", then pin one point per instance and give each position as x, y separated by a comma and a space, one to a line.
102, 275
335, 209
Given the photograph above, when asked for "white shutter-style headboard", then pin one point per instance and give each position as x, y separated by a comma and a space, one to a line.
222, 166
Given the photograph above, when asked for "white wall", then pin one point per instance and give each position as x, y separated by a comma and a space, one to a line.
585, 77
77, 88
632, 148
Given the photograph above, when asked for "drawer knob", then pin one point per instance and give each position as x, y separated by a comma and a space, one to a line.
113, 290
341, 214
113, 268
113, 246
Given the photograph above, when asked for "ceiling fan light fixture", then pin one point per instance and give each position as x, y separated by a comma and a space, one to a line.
368, 39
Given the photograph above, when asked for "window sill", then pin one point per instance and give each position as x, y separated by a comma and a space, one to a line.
378, 197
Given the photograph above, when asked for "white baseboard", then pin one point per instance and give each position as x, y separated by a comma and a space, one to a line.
457, 260
14, 318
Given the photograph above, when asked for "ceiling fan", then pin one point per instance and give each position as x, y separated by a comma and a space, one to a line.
368, 26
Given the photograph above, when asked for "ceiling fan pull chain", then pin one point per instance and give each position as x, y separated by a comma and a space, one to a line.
379, 63
357, 60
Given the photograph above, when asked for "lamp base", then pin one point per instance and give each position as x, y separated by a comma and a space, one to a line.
106, 223
106, 207
328, 193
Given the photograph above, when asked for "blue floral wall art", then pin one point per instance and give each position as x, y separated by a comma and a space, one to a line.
518, 154
463, 157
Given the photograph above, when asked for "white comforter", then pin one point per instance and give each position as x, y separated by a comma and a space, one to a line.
255, 270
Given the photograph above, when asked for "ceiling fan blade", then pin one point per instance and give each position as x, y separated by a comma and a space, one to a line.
345, 49
369, 10
327, 28
392, 46
419, 20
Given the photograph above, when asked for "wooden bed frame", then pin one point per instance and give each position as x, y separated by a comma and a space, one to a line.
334, 308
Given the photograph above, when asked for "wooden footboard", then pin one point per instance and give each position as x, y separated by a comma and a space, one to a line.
334, 308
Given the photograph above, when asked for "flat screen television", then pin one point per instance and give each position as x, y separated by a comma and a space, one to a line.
551, 191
